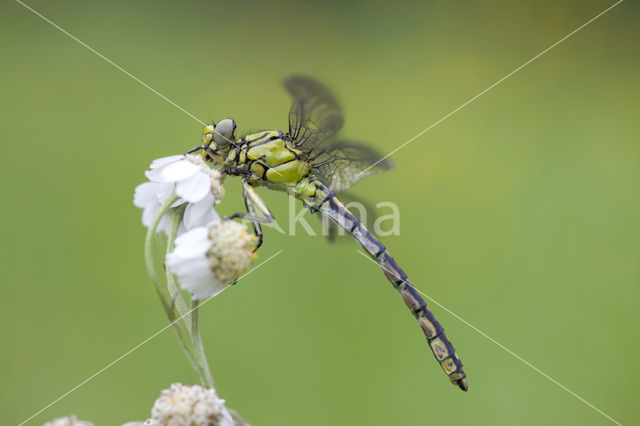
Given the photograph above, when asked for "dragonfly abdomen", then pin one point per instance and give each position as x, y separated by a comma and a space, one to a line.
325, 201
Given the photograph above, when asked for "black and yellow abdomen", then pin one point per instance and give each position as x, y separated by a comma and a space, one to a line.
318, 197
269, 157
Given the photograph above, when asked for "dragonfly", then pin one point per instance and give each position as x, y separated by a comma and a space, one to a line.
302, 163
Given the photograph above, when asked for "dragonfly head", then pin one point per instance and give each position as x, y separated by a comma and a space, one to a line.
219, 137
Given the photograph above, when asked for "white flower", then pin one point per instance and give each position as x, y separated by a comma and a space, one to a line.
190, 406
191, 179
68, 421
208, 259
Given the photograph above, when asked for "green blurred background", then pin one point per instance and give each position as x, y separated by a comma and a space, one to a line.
519, 213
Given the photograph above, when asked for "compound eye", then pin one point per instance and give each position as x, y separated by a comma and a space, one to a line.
225, 132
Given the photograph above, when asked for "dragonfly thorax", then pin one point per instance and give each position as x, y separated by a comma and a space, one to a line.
267, 157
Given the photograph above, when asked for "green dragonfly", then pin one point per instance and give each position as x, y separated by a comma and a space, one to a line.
299, 163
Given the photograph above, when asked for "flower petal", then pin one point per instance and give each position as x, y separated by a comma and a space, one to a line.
193, 236
195, 276
193, 270
214, 217
145, 194
189, 262
201, 287
164, 224
165, 189
180, 170
199, 214
185, 252
155, 175
149, 213
159, 162
195, 188
197, 266
194, 243
210, 217
225, 419
181, 229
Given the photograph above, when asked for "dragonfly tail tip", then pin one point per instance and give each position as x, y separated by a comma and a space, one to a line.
463, 384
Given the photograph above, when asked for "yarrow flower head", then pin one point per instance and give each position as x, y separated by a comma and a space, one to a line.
191, 179
190, 405
208, 259
68, 421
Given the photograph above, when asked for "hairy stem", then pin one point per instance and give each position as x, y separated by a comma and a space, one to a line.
187, 315
168, 304
199, 346
174, 292
148, 253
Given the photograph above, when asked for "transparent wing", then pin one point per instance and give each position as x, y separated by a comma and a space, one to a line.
315, 114
343, 163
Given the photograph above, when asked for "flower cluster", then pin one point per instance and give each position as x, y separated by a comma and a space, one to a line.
190, 179
209, 253
190, 405
208, 259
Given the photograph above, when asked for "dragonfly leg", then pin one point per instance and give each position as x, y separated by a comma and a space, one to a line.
255, 206
199, 148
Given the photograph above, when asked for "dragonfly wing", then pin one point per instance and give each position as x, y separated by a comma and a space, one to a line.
343, 163
315, 113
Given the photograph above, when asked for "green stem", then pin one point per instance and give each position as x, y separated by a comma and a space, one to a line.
174, 292
148, 252
199, 346
180, 304
167, 304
